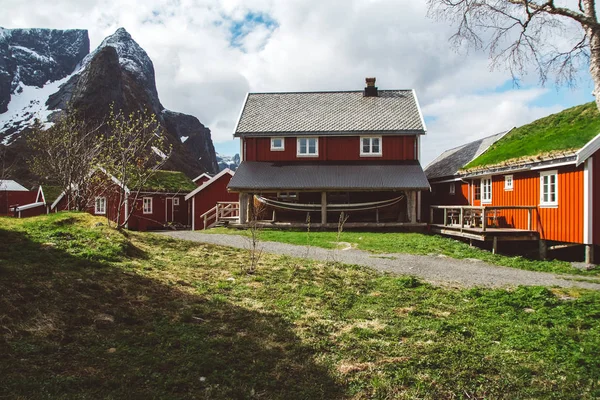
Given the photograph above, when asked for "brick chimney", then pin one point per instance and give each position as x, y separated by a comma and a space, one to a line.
371, 89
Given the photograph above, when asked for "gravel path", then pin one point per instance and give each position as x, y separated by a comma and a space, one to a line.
437, 270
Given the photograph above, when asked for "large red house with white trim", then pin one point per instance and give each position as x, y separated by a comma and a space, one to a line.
318, 154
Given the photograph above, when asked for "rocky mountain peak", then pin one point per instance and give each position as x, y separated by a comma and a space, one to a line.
134, 60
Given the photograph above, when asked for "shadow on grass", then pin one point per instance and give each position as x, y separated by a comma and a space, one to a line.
73, 328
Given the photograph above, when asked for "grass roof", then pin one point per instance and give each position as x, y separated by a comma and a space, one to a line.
566, 131
51, 193
169, 181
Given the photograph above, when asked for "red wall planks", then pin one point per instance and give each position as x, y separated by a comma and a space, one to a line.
334, 148
563, 223
208, 197
595, 170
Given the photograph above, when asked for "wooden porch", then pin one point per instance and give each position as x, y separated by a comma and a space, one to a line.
482, 223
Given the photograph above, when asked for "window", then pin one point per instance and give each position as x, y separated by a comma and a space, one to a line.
370, 146
175, 201
308, 147
277, 144
147, 205
508, 182
549, 188
100, 205
477, 190
452, 189
486, 190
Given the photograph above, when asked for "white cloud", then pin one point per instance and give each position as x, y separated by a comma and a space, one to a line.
313, 45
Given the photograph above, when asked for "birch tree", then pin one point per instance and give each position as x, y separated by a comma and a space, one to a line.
133, 149
65, 154
555, 38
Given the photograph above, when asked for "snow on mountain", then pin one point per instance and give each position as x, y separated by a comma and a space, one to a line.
231, 162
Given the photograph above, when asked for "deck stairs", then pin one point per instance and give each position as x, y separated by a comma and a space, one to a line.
221, 214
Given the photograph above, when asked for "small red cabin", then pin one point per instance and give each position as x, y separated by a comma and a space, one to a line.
540, 180
159, 204
211, 199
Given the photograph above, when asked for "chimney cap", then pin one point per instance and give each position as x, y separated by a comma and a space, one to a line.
370, 81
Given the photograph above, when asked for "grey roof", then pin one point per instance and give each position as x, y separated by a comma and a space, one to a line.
451, 161
265, 176
393, 111
12, 186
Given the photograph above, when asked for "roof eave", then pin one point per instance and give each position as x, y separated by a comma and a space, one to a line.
331, 133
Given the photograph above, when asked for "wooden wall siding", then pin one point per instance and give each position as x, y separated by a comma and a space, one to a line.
338, 148
15, 198
563, 223
442, 195
208, 198
596, 198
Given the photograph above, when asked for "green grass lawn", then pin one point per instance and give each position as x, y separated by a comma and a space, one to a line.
566, 130
87, 312
409, 243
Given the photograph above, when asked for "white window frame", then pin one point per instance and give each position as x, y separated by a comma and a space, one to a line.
307, 154
509, 182
452, 189
144, 209
485, 199
287, 195
100, 210
275, 148
175, 201
543, 175
370, 153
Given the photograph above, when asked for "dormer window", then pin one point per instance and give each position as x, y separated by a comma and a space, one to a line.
308, 147
370, 146
277, 144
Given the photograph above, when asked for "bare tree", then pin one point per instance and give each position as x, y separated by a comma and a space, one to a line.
555, 39
133, 149
65, 154
255, 229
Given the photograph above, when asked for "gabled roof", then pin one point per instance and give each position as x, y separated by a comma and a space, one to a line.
451, 161
12, 186
392, 111
51, 193
208, 183
204, 175
555, 137
275, 176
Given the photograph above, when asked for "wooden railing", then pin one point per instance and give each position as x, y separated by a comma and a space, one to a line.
471, 214
223, 210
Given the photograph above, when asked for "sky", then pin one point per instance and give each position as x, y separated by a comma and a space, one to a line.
208, 54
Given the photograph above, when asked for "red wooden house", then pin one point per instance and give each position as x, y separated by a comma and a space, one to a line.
212, 199
319, 154
161, 203
201, 179
541, 180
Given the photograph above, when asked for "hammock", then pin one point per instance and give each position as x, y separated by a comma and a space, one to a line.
330, 207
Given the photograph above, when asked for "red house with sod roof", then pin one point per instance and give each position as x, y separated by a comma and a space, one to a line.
318, 154
540, 182
160, 204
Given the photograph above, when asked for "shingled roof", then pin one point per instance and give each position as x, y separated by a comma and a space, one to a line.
451, 161
392, 111
265, 176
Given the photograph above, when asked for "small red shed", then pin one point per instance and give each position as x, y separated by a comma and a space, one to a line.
206, 197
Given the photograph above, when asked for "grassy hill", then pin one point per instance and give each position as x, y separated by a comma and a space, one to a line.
90, 312
567, 130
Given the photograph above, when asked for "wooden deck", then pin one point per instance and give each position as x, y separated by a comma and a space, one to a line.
489, 234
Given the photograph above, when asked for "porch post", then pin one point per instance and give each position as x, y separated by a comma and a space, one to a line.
243, 208
323, 207
589, 253
251, 211
411, 205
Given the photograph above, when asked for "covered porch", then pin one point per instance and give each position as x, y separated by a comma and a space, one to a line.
327, 195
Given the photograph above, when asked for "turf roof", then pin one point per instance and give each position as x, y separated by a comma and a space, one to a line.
169, 181
51, 193
563, 132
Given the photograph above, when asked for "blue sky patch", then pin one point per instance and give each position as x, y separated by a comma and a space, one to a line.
239, 29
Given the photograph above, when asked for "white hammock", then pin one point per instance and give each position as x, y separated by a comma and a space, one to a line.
330, 207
